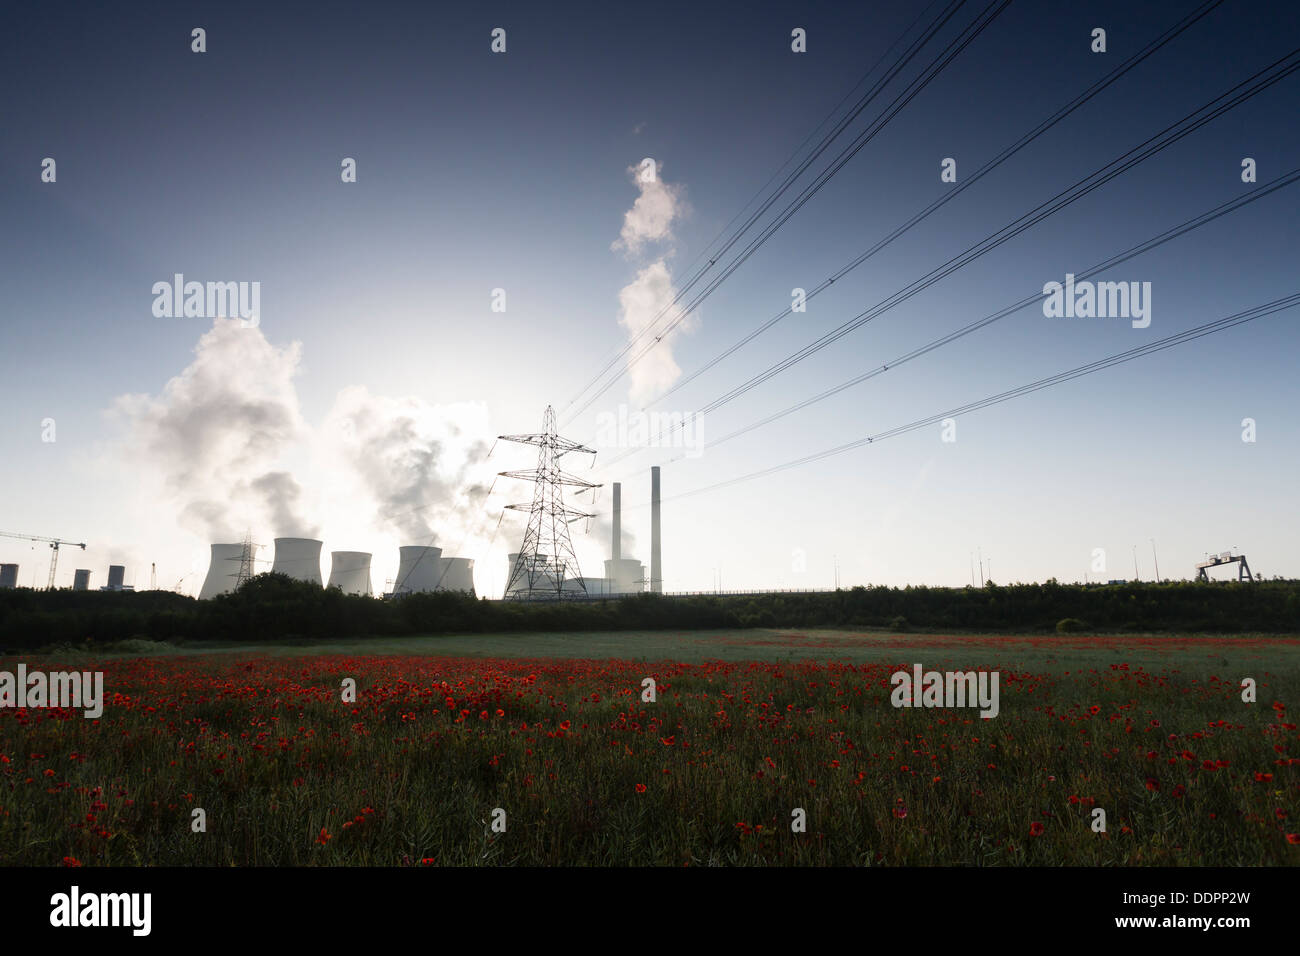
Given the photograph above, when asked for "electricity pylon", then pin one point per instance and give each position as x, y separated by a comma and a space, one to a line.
546, 558
247, 559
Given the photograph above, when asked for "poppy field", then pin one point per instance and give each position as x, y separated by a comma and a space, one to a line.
758, 748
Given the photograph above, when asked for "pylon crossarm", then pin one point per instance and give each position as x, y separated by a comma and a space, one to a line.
524, 439
564, 446
552, 476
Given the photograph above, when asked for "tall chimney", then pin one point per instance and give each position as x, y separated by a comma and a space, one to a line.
618, 522
656, 569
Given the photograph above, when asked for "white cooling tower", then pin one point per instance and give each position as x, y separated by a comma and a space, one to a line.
543, 575
418, 569
456, 574
299, 558
223, 570
625, 575
510, 570
350, 572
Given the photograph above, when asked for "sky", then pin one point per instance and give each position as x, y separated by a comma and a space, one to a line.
501, 243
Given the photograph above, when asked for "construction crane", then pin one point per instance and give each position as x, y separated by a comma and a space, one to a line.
54, 544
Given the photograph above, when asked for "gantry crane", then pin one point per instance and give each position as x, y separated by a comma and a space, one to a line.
54, 544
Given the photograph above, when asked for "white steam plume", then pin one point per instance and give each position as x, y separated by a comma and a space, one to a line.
648, 296
216, 433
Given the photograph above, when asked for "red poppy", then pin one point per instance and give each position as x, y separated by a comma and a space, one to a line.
324, 837
640, 788
1036, 829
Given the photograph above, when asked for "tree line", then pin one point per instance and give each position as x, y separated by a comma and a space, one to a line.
273, 607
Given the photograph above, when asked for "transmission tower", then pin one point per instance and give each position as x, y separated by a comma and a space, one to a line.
546, 559
246, 560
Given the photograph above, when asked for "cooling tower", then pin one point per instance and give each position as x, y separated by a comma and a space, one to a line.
350, 572
81, 580
543, 575
223, 570
299, 558
418, 569
656, 567
116, 574
625, 576
456, 574
8, 575
510, 570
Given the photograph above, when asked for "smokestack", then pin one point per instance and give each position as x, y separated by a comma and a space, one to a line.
656, 568
618, 522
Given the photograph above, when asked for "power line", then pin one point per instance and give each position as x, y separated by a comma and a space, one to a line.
1179, 338
705, 253
1271, 74
955, 46
975, 177
1115, 260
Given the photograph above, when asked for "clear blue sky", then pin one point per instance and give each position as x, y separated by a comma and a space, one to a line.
479, 171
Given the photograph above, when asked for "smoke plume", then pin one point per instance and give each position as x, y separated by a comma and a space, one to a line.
420, 464
217, 431
644, 303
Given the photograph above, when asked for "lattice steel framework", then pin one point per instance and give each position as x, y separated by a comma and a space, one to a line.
547, 567
247, 560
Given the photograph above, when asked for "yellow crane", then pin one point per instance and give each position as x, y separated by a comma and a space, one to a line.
54, 544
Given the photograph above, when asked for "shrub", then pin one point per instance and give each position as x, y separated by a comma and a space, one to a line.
1069, 625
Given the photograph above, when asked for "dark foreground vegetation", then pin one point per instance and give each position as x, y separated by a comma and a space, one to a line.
274, 607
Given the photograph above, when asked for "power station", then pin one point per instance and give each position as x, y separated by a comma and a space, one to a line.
545, 566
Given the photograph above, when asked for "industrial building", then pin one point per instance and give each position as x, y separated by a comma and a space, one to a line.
8, 575
81, 580
116, 577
